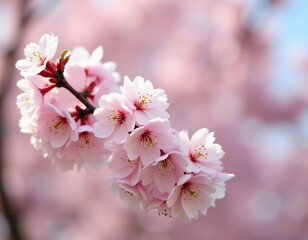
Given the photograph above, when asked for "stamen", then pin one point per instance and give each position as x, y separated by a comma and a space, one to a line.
148, 139
143, 101
57, 125
117, 117
28, 100
190, 192
127, 192
85, 141
199, 151
131, 163
36, 56
164, 212
165, 166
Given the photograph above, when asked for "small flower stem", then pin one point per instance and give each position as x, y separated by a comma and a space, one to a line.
62, 82
46, 89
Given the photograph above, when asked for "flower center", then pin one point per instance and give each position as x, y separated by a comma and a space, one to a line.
190, 192
127, 192
164, 212
28, 100
57, 126
143, 101
85, 141
117, 117
131, 163
165, 166
148, 139
199, 151
36, 56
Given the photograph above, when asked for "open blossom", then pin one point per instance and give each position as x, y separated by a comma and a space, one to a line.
112, 119
158, 203
33, 89
143, 100
27, 102
123, 169
56, 126
31, 98
105, 77
164, 210
191, 196
165, 171
147, 141
37, 55
30, 101
88, 150
132, 197
201, 150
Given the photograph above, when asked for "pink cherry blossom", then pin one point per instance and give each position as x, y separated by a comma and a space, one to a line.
143, 100
28, 103
155, 199
33, 88
163, 210
31, 97
56, 126
112, 119
220, 185
147, 141
123, 169
132, 197
87, 151
101, 75
105, 77
203, 153
191, 196
158, 203
37, 55
165, 171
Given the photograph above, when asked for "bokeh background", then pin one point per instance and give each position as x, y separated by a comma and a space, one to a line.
236, 67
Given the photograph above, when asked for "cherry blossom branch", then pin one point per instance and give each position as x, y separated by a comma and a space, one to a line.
130, 130
62, 82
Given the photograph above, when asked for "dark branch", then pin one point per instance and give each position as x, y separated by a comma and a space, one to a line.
61, 82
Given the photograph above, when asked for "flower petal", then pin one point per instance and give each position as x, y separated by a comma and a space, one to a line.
174, 196
149, 154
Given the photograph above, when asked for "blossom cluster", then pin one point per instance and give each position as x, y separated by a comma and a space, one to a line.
79, 116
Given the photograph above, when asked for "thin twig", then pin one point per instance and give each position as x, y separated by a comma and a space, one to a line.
62, 82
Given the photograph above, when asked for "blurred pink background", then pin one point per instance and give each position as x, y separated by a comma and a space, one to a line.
236, 67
